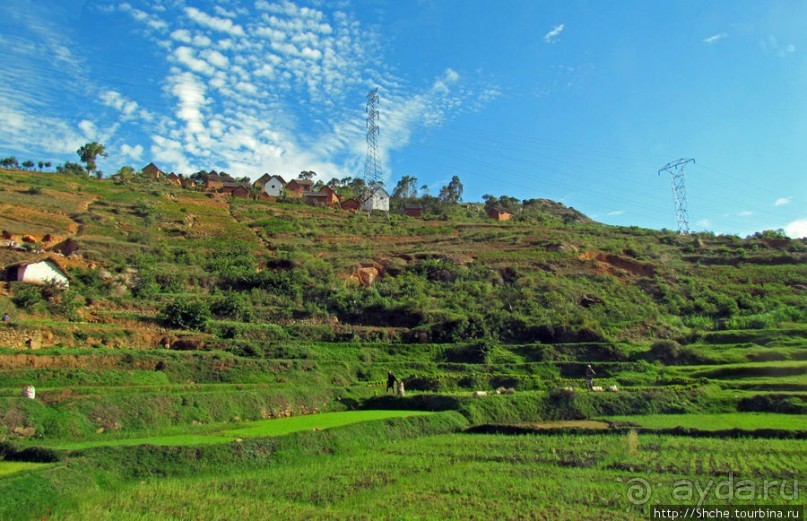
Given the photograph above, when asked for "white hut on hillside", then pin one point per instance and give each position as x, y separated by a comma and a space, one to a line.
45, 271
377, 199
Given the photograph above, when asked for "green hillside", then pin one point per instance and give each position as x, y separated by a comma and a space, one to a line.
296, 271
191, 314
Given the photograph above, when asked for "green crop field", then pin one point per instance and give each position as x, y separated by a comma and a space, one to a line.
226, 434
224, 358
464, 476
10, 467
713, 422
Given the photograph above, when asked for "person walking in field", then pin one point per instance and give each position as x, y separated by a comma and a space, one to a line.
391, 381
590, 374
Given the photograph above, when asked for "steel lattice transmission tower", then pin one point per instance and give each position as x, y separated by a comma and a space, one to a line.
676, 171
372, 168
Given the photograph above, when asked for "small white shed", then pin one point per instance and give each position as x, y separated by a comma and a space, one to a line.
42, 272
377, 199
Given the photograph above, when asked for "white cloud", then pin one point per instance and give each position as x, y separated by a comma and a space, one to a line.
223, 25
215, 58
782, 201
714, 38
771, 44
704, 223
615, 213
745, 213
89, 129
797, 229
190, 94
133, 152
116, 100
274, 90
552, 36
187, 57
182, 35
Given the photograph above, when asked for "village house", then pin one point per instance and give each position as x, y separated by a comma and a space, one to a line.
413, 211
234, 189
272, 186
351, 204
173, 179
44, 270
297, 187
151, 170
377, 199
499, 214
325, 197
188, 183
214, 181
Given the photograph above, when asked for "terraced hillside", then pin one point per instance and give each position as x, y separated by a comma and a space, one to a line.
189, 315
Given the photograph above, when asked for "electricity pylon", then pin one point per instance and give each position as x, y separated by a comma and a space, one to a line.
372, 166
676, 171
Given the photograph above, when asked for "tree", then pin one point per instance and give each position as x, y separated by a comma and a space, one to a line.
308, 174
89, 153
28, 164
126, 172
452, 193
40, 164
47, 164
71, 168
406, 188
10, 162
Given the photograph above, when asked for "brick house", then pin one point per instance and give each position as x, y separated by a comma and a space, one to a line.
499, 214
325, 197
297, 187
351, 204
151, 170
215, 181
413, 211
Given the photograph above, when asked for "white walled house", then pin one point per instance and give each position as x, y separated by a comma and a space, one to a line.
377, 200
42, 272
274, 186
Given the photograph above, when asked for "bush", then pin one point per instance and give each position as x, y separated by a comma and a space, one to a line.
670, 352
27, 297
185, 314
234, 306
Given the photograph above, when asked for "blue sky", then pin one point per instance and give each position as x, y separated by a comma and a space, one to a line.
577, 101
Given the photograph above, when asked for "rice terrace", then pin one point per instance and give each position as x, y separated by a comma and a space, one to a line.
227, 358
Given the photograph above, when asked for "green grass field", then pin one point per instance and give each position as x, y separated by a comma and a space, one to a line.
463, 476
245, 430
10, 467
715, 422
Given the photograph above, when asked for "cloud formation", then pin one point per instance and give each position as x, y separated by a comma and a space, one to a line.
714, 38
552, 36
797, 229
782, 201
281, 89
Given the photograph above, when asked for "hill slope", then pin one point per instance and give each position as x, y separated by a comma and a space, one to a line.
330, 274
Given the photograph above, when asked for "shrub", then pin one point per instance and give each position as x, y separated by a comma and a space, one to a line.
233, 306
27, 297
185, 314
668, 352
